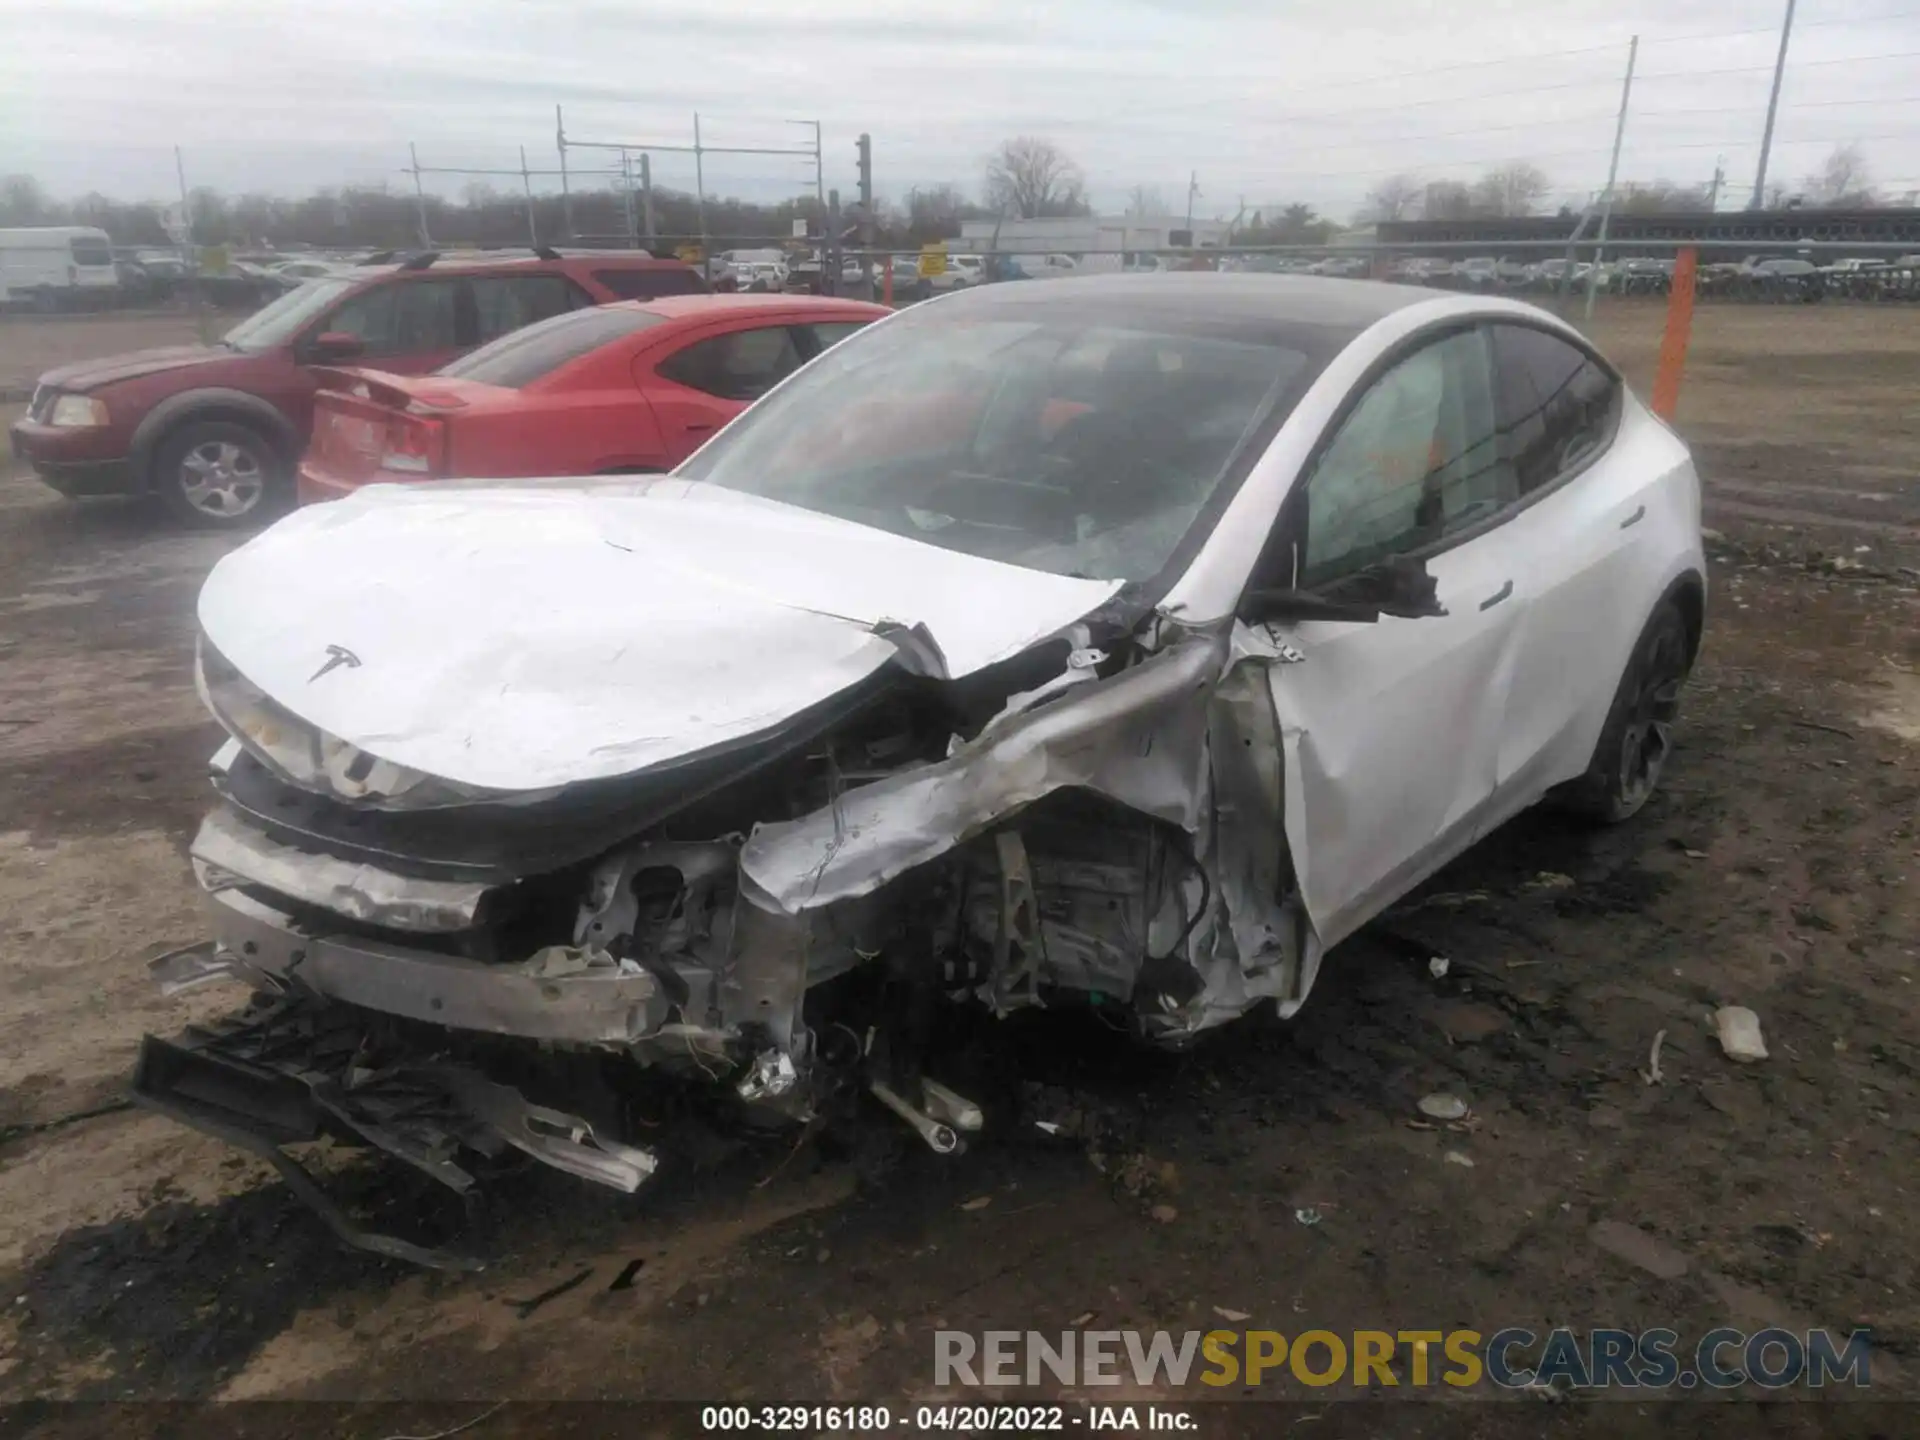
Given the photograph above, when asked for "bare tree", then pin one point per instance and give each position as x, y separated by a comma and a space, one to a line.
1146, 200
24, 202
1394, 198
935, 213
1289, 225
1030, 178
1843, 179
1659, 197
1511, 189
1446, 200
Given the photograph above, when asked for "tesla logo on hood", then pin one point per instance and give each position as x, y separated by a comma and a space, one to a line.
337, 655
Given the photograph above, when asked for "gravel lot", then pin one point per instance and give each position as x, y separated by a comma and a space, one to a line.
30, 345
1776, 869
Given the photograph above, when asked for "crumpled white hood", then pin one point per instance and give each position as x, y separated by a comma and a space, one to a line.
523, 637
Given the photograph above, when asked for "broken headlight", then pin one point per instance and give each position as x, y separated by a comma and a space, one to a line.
306, 756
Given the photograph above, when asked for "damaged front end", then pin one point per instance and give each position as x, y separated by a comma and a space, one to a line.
1098, 820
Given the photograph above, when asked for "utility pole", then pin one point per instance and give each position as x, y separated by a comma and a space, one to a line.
819, 167
526, 182
864, 148
419, 197
1613, 172
1193, 189
650, 226
566, 191
700, 199
188, 253
1719, 179
830, 262
626, 197
1759, 199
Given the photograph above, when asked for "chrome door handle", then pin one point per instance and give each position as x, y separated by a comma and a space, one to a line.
1635, 518
1494, 599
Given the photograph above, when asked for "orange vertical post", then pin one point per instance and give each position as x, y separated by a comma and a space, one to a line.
1673, 346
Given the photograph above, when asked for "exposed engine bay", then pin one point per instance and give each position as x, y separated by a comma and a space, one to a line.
1096, 820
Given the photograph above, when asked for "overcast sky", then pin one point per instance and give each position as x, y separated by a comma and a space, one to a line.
1311, 100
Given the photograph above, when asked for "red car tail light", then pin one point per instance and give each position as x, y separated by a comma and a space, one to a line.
414, 445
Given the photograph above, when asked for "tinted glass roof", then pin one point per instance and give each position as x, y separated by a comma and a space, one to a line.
1263, 306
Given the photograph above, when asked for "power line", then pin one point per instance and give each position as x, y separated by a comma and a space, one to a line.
1797, 105
1465, 162
1775, 29
1142, 113
1612, 47
1768, 69
1373, 140
1297, 119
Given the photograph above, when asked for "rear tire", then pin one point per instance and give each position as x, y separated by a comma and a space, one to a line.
220, 475
1638, 736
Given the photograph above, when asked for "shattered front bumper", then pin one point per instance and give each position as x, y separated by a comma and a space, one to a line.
545, 998
298, 1068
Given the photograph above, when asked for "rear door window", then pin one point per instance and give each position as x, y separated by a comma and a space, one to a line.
651, 284
1558, 406
740, 365
427, 316
828, 333
505, 303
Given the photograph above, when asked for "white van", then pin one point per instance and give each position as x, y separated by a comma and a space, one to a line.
56, 267
1040, 267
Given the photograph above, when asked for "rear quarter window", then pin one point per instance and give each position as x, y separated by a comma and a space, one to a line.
650, 284
1558, 406
524, 356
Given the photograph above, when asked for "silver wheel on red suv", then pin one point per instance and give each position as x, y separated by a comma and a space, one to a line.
218, 474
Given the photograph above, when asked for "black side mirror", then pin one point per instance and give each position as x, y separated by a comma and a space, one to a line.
1394, 586
1285, 607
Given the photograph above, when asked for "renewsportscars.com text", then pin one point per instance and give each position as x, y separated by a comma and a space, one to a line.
1513, 1358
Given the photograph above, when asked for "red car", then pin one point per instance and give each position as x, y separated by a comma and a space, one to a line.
623, 388
215, 430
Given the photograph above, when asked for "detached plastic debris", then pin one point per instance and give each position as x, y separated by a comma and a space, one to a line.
1443, 1107
1438, 967
1739, 1031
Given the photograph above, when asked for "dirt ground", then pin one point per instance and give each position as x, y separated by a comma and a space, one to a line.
31, 345
1279, 1173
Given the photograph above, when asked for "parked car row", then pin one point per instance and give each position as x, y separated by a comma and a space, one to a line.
1757, 277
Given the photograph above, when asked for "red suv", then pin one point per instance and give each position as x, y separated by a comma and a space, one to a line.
216, 431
